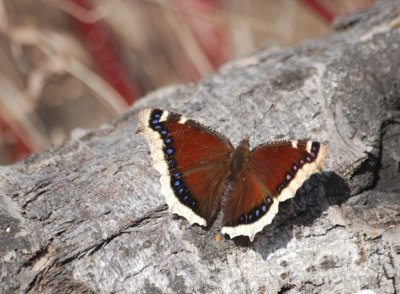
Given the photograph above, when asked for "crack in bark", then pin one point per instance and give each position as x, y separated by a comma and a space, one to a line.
286, 288
393, 278
173, 253
241, 274
326, 231
31, 263
41, 185
308, 282
158, 213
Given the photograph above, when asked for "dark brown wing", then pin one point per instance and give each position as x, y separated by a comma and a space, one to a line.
192, 160
275, 172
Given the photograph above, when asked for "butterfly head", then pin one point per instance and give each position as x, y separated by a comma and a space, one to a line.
244, 145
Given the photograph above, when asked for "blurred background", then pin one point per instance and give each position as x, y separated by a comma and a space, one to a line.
67, 64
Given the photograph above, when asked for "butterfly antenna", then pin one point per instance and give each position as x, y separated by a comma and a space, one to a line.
240, 110
261, 120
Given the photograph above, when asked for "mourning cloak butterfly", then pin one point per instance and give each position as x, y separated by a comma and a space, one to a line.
196, 163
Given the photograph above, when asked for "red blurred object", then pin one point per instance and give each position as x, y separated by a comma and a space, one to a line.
319, 9
211, 37
104, 48
14, 145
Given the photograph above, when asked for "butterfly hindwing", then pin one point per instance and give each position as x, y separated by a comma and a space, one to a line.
275, 172
249, 208
193, 161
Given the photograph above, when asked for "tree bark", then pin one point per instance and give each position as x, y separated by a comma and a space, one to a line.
89, 217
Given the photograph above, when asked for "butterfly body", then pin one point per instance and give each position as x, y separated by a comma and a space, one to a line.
239, 158
197, 165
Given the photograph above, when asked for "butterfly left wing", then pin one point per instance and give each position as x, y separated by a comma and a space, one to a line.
192, 160
275, 172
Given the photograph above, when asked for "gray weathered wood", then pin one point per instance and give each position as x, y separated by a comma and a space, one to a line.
88, 216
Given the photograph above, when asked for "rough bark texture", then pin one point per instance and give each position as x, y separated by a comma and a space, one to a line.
88, 216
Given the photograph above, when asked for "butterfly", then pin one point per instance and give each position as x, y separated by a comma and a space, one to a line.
197, 163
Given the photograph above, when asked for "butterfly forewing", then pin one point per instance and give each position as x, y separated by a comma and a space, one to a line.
285, 166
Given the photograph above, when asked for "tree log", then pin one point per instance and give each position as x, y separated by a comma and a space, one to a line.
89, 217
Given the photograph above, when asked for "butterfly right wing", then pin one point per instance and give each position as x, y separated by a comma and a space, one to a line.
193, 162
275, 172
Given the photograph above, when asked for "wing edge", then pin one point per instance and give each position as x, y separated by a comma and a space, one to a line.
250, 230
304, 173
156, 144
